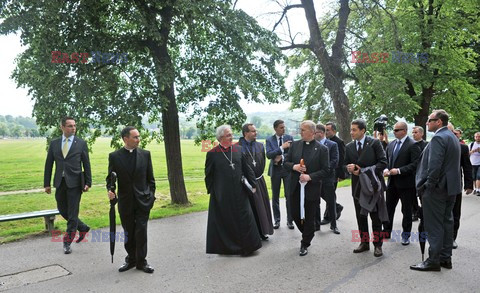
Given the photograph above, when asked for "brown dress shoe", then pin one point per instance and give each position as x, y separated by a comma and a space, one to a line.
364, 246
378, 251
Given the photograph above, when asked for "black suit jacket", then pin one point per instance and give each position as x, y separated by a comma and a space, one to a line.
274, 150
466, 166
70, 167
406, 162
340, 173
372, 154
316, 164
140, 187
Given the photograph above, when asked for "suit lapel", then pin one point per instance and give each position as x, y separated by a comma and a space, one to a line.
72, 147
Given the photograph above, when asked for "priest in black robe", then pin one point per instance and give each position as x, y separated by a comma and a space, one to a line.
231, 227
255, 154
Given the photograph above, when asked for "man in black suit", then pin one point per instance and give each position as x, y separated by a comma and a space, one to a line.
466, 167
277, 151
417, 135
331, 134
328, 183
315, 168
438, 182
402, 157
136, 194
69, 154
365, 151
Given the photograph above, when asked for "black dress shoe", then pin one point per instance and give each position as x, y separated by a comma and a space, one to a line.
303, 250
339, 212
317, 227
378, 251
405, 241
126, 266
290, 225
446, 264
426, 266
82, 234
335, 230
146, 268
364, 246
455, 245
414, 218
276, 225
66, 248
324, 222
264, 237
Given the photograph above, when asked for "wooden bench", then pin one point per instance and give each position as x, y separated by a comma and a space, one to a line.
48, 215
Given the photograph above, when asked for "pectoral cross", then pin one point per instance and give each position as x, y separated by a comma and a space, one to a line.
254, 163
232, 165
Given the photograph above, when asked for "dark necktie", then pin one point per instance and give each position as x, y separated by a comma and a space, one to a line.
359, 150
280, 142
395, 151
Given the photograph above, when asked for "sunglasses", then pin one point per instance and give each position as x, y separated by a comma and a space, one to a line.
432, 119
397, 130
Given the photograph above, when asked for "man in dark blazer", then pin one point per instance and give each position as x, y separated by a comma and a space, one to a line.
328, 183
315, 157
466, 167
69, 153
277, 151
365, 151
402, 157
331, 134
136, 194
417, 135
438, 182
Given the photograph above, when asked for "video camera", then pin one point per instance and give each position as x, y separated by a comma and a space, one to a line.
380, 123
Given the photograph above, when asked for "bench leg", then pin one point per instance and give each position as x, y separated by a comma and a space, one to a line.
49, 223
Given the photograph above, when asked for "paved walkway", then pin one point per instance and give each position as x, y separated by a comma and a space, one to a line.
177, 251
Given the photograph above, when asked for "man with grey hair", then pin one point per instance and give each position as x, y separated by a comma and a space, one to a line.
306, 178
231, 227
417, 135
440, 162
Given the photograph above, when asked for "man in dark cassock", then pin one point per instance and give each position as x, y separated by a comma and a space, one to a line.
255, 154
231, 227
307, 177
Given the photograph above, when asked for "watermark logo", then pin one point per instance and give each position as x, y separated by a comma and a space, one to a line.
382, 57
96, 236
97, 57
395, 236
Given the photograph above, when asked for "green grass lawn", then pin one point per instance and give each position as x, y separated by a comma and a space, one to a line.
21, 168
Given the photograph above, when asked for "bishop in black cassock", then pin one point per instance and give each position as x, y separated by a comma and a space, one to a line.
231, 227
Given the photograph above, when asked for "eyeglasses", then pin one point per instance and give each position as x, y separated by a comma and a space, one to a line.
432, 119
397, 130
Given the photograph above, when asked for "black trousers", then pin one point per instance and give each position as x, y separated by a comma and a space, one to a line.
338, 206
405, 195
457, 212
328, 194
134, 222
307, 227
68, 204
278, 174
362, 222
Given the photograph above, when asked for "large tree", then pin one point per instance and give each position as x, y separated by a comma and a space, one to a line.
202, 55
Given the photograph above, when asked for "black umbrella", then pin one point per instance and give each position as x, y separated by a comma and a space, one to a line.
422, 238
113, 202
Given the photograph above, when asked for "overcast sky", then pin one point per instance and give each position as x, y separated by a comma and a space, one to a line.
16, 102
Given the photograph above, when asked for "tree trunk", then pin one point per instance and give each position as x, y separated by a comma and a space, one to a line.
422, 115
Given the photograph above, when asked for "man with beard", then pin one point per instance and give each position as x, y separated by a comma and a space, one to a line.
255, 154
231, 227
306, 178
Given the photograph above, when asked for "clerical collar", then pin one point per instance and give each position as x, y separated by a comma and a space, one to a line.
128, 150
308, 142
223, 147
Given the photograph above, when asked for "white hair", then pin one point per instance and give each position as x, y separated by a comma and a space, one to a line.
310, 124
221, 131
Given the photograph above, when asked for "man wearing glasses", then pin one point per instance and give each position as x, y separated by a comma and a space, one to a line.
440, 161
402, 157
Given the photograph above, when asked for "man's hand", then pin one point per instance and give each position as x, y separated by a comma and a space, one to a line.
299, 168
386, 173
254, 190
111, 195
305, 178
393, 171
286, 144
86, 188
468, 191
48, 189
277, 159
356, 172
350, 168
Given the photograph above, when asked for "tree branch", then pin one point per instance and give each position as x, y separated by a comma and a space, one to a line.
296, 46
285, 9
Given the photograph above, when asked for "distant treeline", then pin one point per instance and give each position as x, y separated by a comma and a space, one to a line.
18, 127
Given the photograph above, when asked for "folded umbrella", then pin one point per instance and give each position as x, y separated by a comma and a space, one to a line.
113, 202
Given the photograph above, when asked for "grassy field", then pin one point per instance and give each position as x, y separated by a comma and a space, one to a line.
21, 168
